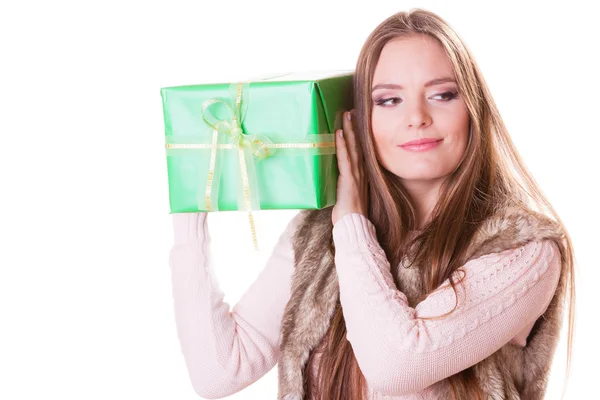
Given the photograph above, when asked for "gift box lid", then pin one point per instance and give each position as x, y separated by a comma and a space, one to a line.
333, 88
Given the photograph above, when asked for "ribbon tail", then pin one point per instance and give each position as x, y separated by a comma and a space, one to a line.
247, 187
210, 201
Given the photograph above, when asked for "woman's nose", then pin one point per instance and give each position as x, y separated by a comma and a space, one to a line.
417, 114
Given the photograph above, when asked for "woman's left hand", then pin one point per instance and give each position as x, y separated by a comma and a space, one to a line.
352, 189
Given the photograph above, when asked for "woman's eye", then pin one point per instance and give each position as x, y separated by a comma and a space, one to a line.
448, 95
386, 102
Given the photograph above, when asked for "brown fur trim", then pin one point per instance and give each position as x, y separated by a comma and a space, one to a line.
511, 373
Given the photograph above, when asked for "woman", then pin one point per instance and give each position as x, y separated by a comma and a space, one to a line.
433, 277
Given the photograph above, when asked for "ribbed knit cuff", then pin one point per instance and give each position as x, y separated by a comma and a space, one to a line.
354, 229
190, 227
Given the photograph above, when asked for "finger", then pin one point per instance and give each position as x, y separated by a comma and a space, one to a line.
350, 139
343, 159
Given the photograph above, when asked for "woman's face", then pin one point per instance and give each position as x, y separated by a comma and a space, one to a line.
409, 103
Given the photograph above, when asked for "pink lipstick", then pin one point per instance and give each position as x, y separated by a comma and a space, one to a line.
421, 144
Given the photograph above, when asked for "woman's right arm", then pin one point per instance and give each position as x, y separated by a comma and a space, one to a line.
226, 350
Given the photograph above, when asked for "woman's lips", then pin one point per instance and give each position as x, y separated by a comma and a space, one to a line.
421, 147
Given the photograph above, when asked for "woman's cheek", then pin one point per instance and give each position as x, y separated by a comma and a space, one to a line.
383, 153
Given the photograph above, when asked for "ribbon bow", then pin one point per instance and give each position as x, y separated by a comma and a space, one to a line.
249, 148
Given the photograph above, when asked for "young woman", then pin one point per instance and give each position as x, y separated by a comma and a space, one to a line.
441, 272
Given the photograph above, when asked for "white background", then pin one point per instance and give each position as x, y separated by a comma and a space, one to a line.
85, 295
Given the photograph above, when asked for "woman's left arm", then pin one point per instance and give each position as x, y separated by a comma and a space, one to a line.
398, 351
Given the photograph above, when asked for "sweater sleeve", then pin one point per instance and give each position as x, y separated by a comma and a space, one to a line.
226, 350
398, 351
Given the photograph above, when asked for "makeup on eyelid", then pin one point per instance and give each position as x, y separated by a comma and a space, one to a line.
449, 96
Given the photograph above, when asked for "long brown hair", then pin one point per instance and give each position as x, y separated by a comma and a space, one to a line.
490, 174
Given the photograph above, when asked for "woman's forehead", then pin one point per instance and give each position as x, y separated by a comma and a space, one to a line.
412, 61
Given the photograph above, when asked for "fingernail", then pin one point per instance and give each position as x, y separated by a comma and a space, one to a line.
348, 116
341, 132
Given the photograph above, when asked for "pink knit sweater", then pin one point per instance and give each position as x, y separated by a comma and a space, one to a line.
400, 354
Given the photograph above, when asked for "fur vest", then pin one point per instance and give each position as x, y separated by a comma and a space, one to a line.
511, 373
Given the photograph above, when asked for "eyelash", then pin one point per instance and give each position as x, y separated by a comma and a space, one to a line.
451, 96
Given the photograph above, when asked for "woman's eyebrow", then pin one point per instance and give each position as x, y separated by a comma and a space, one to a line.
436, 81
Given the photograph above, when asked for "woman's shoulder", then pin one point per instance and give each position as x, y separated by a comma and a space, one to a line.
513, 227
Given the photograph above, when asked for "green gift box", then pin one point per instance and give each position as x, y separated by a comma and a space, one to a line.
261, 144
